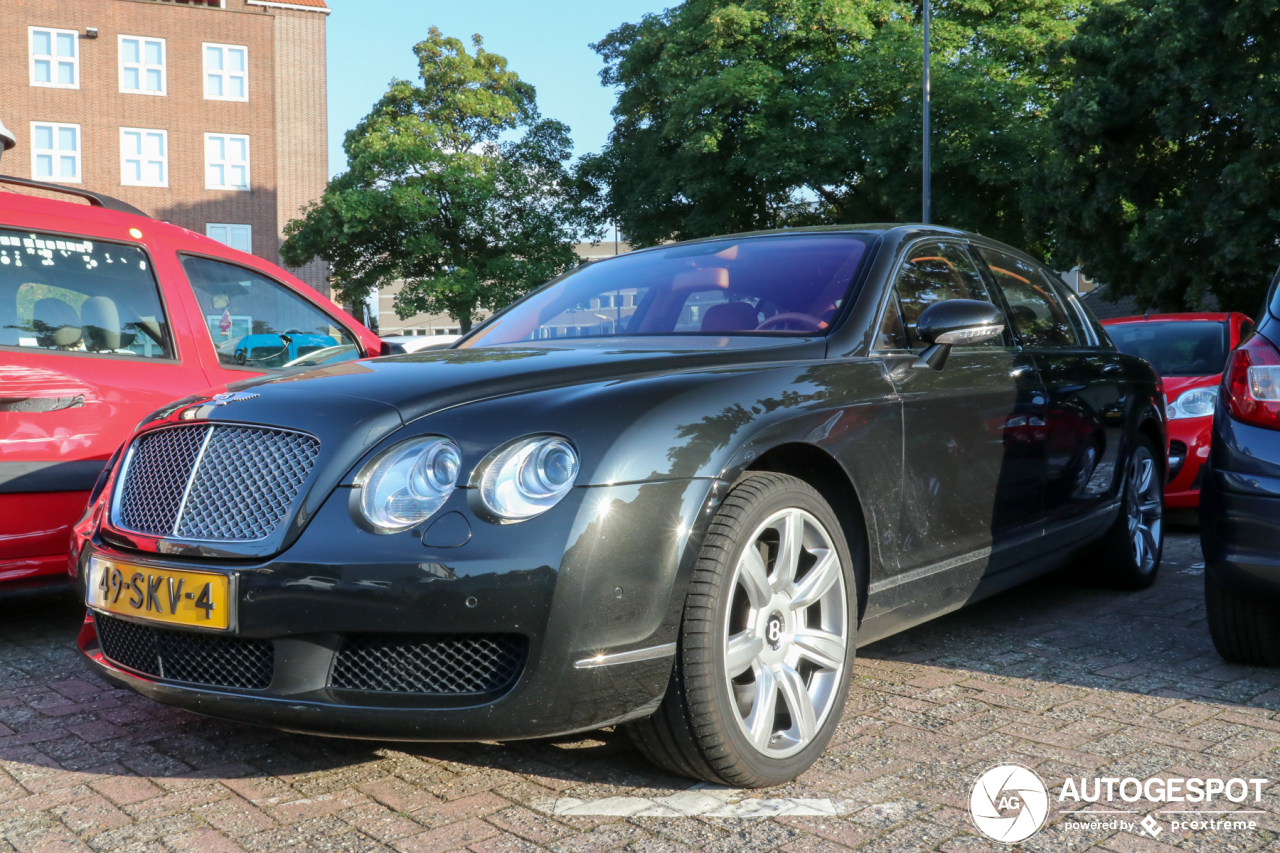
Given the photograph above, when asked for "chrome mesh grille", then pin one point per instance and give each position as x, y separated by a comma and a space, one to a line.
239, 488
485, 663
186, 656
151, 494
246, 482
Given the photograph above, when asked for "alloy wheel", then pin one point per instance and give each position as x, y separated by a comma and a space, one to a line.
1145, 504
787, 633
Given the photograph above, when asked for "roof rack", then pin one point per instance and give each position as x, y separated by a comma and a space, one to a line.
94, 199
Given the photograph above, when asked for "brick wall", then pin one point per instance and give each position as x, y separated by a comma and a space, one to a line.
302, 152
278, 183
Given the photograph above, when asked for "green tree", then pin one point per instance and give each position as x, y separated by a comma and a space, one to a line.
733, 116
1166, 177
456, 185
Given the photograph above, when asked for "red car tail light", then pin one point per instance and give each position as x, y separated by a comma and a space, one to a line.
1253, 383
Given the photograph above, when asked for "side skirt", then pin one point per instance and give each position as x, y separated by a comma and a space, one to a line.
922, 594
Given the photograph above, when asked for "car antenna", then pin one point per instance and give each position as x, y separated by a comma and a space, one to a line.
1147, 314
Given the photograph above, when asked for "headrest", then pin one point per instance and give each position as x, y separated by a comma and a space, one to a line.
100, 320
730, 317
55, 323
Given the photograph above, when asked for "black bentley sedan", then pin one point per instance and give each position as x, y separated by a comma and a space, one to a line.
671, 490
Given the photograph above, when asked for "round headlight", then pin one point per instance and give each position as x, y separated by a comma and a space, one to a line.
405, 484
528, 477
1196, 403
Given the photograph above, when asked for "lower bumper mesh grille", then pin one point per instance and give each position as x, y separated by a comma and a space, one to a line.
440, 665
186, 656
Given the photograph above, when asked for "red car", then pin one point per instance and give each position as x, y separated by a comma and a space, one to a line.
1189, 351
105, 316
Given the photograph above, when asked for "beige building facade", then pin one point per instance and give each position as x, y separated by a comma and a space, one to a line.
210, 114
389, 323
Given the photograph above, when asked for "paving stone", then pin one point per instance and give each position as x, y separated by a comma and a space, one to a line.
1068, 680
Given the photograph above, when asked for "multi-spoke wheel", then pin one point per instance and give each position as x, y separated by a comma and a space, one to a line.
787, 633
1144, 503
766, 644
1129, 555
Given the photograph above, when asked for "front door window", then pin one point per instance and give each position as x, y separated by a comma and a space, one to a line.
1037, 312
259, 324
931, 272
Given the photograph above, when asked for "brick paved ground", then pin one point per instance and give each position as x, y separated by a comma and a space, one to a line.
1068, 680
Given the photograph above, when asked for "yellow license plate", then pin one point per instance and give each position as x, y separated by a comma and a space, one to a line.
202, 599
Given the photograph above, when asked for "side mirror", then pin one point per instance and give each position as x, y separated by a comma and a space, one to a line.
955, 321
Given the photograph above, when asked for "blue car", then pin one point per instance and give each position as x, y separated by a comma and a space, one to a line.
1240, 500
275, 350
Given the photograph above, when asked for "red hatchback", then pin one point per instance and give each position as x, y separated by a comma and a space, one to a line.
1189, 351
107, 315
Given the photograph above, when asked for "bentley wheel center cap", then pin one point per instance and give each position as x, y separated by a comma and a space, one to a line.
774, 630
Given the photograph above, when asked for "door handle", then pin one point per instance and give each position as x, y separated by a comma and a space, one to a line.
1111, 367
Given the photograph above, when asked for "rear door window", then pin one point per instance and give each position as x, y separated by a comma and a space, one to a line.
260, 324
80, 295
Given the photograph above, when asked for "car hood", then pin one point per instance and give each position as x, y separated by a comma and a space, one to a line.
1175, 385
355, 404
418, 384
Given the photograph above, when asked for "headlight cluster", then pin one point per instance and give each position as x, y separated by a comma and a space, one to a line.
1196, 403
405, 484
528, 477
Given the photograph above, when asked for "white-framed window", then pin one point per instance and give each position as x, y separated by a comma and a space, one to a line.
144, 157
55, 57
226, 72
236, 236
142, 65
55, 152
226, 161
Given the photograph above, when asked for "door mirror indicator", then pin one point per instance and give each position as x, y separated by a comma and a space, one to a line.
955, 322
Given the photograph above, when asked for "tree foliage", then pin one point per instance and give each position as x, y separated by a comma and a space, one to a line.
740, 115
455, 185
1166, 177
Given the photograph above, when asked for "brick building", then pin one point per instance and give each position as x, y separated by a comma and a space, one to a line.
210, 114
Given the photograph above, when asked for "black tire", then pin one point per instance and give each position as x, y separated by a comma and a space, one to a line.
1245, 628
1115, 562
693, 733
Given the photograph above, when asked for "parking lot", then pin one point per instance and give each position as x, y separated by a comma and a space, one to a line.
1068, 680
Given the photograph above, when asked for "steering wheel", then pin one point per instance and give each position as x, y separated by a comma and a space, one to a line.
791, 321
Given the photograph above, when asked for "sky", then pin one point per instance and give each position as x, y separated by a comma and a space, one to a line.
547, 44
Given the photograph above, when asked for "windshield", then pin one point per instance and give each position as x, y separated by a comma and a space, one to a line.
791, 285
1187, 348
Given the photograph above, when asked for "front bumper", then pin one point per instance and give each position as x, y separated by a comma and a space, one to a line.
1195, 434
602, 574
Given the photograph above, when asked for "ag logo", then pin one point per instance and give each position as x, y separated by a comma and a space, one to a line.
1009, 803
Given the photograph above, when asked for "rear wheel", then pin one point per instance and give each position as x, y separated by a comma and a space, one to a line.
1245, 629
1129, 555
766, 643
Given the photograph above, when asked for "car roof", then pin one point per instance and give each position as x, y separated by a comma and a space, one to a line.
1213, 316
104, 211
854, 228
